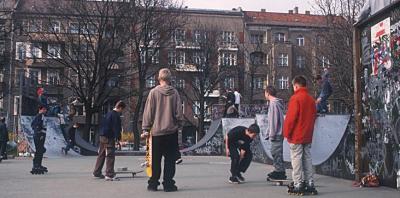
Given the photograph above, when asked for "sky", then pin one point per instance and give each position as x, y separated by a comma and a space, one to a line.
252, 5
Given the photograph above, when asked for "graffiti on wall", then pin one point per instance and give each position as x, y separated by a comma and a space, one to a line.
380, 34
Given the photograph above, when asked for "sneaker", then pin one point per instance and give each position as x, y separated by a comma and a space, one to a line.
152, 188
172, 188
101, 176
115, 178
241, 178
278, 176
234, 180
178, 161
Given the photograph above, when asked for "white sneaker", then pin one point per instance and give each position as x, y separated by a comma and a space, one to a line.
115, 178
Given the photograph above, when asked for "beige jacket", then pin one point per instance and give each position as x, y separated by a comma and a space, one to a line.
163, 111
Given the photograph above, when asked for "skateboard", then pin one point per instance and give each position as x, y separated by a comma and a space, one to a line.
279, 182
127, 171
148, 157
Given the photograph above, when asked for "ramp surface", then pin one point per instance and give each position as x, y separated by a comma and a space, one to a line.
85, 147
54, 137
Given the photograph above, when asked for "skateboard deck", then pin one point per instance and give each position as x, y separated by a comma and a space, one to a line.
121, 171
148, 157
279, 182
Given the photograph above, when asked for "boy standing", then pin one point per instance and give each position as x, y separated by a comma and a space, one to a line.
71, 138
3, 138
237, 145
274, 133
110, 131
163, 116
298, 130
39, 137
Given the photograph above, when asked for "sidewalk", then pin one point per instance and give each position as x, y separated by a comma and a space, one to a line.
196, 177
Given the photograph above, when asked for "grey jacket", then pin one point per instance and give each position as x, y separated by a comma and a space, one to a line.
275, 120
163, 111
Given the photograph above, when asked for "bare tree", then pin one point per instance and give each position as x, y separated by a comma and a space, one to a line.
88, 39
336, 44
204, 71
153, 24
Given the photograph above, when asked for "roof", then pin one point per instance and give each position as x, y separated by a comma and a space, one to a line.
286, 19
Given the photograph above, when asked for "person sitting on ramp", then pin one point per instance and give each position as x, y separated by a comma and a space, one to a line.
237, 144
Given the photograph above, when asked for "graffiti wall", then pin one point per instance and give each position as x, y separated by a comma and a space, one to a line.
381, 97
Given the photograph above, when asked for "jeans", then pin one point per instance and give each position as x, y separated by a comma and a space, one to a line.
39, 139
277, 155
301, 163
239, 165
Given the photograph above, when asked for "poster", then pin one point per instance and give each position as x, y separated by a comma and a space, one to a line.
395, 43
380, 37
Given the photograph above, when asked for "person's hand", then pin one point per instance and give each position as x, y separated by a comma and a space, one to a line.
242, 153
145, 134
318, 101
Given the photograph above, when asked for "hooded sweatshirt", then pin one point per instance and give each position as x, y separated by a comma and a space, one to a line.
163, 111
275, 119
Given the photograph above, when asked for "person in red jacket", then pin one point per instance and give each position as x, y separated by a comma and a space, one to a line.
298, 129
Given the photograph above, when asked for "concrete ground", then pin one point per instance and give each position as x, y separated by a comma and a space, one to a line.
196, 177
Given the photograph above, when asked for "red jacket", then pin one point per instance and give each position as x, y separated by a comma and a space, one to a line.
298, 127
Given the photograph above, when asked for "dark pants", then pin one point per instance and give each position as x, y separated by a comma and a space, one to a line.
107, 154
3, 149
70, 145
39, 139
166, 146
239, 165
322, 107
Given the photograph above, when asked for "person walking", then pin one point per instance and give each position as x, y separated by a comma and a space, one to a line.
237, 145
71, 138
39, 138
110, 132
298, 129
3, 139
325, 92
274, 132
163, 116
238, 97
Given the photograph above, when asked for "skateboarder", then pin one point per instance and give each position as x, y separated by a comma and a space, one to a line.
110, 131
298, 130
71, 138
3, 139
237, 145
326, 91
163, 115
39, 138
274, 133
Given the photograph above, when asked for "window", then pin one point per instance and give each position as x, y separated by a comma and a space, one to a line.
16, 105
227, 59
34, 76
180, 58
256, 38
229, 83
283, 83
283, 60
300, 40
319, 40
90, 29
258, 83
180, 83
198, 58
154, 56
53, 77
206, 83
74, 28
279, 37
300, 61
257, 58
196, 108
35, 25
82, 52
53, 51
20, 77
20, 51
325, 62
54, 27
151, 82
179, 35
199, 36
228, 37
36, 50
171, 58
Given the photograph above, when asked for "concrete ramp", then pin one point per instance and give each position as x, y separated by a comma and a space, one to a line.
85, 147
328, 132
54, 137
211, 144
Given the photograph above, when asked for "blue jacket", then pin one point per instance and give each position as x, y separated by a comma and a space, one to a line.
111, 126
38, 124
326, 90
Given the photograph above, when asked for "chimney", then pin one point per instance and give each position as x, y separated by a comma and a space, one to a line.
263, 10
290, 11
296, 10
234, 9
308, 13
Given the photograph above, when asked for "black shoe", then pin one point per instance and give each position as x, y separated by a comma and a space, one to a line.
278, 176
234, 180
172, 188
272, 174
241, 178
152, 188
101, 176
